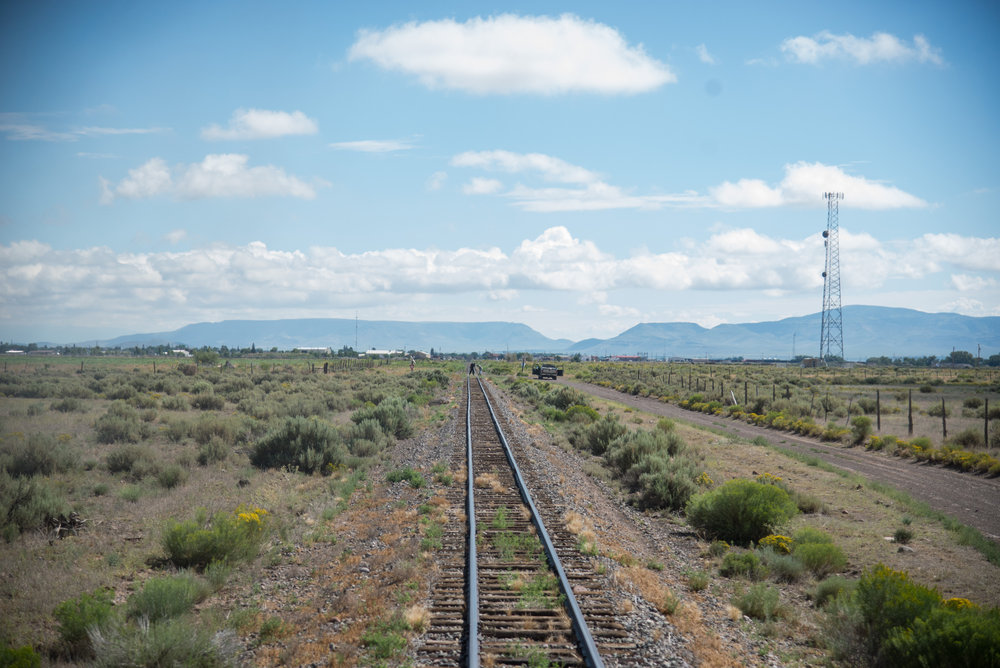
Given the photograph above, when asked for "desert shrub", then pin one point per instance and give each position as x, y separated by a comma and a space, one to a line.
781, 566
779, 544
902, 535
601, 433
121, 424
972, 402
19, 657
937, 410
125, 458
307, 444
968, 438
38, 454
227, 537
867, 405
565, 397
370, 432
208, 401
215, 450
392, 414
25, 504
177, 430
861, 429
821, 558
886, 600
78, 616
830, 588
229, 430
717, 548
164, 597
666, 482
68, 405
946, 637
406, 474
175, 403
740, 511
760, 602
171, 476
811, 535
742, 564
927, 389
171, 642
143, 400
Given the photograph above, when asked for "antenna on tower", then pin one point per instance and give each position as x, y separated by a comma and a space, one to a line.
831, 339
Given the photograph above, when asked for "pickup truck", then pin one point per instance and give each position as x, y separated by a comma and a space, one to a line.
543, 371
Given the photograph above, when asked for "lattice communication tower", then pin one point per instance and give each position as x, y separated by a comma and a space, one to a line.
831, 340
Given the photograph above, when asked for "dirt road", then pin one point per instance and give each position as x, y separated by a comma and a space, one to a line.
971, 499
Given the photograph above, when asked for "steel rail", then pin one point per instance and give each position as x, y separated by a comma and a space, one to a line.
588, 647
472, 589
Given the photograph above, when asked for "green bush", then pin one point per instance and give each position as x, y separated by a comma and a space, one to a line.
304, 443
946, 637
230, 429
171, 476
821, 558
740, 511
68, 405
126, 458
121, 424
811, 535
38, 454
19, 657
392, 414
80, 615
887, 600
407, 474
227, 537
782, 567
760, 602
969, 438
215, 450
25, 504
830, 588
165, 597
171, 642
601, 433
861, 429
208, 402
742, 564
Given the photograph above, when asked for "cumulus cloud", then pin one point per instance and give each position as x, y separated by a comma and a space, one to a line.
373, 145
879, 48
218, 175
805, 183
514, 54
255, 280
261, 124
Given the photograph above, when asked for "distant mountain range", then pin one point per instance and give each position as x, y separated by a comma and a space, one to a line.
869, 331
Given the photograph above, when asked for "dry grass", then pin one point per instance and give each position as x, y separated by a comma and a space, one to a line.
488, 481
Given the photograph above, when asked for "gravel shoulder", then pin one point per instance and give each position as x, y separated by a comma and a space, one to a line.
969, 498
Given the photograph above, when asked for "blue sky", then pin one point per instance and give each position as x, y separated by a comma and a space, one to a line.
578, 167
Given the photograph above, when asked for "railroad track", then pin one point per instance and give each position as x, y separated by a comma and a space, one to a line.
512, 591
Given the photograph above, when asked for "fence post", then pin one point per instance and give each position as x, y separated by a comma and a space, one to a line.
878, 410
944, 420
986, 423
909, 413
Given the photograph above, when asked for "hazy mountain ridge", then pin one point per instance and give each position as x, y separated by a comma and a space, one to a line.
868, 331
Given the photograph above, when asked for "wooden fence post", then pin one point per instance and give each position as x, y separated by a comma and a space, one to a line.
909, 413
944, 420
878, 410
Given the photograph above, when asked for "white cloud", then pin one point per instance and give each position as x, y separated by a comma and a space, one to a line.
967, 283
437, 180
261, 124
175, 236
38, 281
373, 145
879, 48
514, 54
218, 175
481, 186
22, 127
550, 168
805, 183
703, 55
